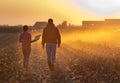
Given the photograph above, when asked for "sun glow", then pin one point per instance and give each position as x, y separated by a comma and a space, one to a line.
30, 11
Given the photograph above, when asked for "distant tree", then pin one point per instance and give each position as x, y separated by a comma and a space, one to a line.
64, 24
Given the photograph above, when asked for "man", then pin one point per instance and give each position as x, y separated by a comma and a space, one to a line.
51, 37
25, 39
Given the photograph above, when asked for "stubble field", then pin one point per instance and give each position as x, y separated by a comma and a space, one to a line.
76, 62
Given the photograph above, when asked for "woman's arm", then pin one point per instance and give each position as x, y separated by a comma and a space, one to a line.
20, 38
33, 41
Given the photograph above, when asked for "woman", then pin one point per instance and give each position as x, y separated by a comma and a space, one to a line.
25, 39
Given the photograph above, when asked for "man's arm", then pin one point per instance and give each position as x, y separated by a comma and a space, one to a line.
43, 38
59, 38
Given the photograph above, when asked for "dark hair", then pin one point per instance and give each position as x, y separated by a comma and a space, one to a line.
25, 28
50, 20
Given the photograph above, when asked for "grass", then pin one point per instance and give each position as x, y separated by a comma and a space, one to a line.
84, 62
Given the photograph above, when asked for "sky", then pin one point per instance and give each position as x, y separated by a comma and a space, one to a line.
15, 12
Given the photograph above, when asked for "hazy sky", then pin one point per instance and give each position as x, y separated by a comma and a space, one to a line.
74, 11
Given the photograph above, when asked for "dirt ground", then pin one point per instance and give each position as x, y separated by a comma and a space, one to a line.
76, 62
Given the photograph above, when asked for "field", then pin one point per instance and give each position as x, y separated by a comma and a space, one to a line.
79, 60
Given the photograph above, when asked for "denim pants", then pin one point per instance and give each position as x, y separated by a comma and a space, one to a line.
51, 52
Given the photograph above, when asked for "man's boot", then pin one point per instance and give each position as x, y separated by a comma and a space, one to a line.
49, 64
52, 67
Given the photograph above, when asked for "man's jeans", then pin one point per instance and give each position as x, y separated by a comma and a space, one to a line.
51, 52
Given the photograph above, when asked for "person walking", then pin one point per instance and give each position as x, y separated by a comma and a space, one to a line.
25, 39
51, 37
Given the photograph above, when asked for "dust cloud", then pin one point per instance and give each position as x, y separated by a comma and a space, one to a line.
110, 38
